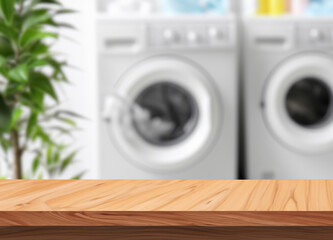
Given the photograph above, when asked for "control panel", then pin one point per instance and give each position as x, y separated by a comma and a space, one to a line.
315, 35
189, 35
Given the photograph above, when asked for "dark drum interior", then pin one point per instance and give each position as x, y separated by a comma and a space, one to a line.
170, 106
308, 102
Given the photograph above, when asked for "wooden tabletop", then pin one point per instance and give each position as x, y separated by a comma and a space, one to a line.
165, 203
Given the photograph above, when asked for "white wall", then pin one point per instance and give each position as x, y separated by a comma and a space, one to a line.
80, 96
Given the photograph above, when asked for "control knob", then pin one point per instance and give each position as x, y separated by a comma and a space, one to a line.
317, 35
215, 33
193, 37
170, 36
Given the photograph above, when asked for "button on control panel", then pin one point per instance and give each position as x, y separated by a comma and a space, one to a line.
189, 35
218, 34
171, 36
315, 35
196, 35
215, 33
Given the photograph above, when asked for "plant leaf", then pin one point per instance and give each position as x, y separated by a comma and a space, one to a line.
15, 117
19, 73
70, 113
34, 3
65, 11
36, 17
35, 164
7, 9
39, 49
49, 154
27, 100
38, 97
56, 157
63, 131
43, 83
37, 63
65, 25
68, 121
51, 22
5, 115
3, 60
32, 35
42, 135
79, 176
32, 123
6, 49
14, 88
5, 144
67, 161
7, 32
50, 2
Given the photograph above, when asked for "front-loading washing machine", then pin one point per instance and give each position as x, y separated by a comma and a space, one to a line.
288, 85
167, 97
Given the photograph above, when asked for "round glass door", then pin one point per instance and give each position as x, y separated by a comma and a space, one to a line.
171, 116
298, 103
308, 102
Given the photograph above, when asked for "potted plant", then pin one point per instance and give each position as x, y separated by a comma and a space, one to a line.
32, 127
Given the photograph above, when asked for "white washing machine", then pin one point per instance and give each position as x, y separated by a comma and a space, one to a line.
167, 97
288, 80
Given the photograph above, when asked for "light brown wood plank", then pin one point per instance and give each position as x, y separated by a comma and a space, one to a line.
166, 203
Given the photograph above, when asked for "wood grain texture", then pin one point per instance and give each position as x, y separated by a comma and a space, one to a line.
166, 233
210, 203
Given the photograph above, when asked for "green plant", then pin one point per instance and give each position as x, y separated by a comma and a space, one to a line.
31, 124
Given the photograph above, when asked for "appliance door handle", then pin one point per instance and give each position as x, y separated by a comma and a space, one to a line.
114, 107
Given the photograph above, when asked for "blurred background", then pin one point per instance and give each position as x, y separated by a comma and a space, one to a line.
197, 88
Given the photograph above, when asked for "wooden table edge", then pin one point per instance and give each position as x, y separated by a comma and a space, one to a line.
167, 218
